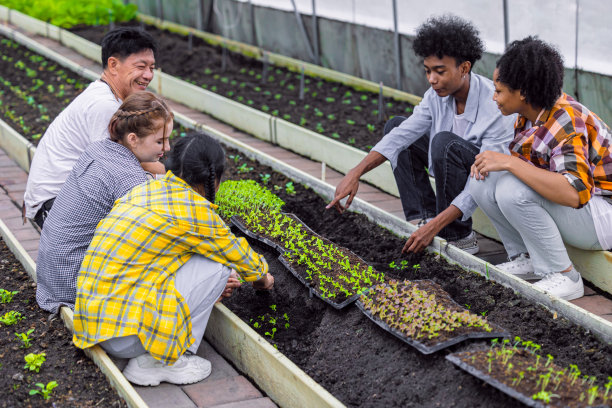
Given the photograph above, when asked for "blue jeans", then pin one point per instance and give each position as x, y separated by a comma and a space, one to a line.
528, 223
452, 158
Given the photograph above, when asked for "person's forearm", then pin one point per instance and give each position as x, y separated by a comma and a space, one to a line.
549, 184
371, 161
445, 217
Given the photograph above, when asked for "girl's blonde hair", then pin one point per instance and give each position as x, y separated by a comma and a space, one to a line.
139, 114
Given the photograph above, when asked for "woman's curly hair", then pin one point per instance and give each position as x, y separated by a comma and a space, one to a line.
533, 67
451, 36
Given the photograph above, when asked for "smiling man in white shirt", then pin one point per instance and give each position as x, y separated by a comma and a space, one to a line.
128, 61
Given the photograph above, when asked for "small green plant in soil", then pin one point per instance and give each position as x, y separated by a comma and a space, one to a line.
419, 312
518, 364
34, 361
25, 338
11, 317
44, 390
6, 296
270, 323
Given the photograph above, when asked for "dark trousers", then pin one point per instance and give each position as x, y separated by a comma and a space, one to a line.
452, 158
43, 212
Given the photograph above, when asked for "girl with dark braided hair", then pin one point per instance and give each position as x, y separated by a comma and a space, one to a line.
556, 186
107, 170
156, 266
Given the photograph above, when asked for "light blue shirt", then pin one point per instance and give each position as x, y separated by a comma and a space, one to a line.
487, 128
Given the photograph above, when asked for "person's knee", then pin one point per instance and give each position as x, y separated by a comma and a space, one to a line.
393, 123
482, 190
440, 143
511, 192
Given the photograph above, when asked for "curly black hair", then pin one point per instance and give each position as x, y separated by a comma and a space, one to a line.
448, 35
533, 67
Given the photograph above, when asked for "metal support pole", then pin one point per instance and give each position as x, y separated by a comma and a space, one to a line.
398, 55
252, 14
315, 33
209, 17
576, 92
160, 10
506, 25
199, 15
298, 17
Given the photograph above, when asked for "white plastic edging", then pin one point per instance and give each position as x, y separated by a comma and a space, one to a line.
84, 47
253, 355
5, 13
121, 385
16, 146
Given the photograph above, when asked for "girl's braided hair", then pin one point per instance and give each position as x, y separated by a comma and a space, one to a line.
199, 160
140, 114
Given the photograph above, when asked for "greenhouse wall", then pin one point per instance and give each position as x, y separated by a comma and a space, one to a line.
356, 49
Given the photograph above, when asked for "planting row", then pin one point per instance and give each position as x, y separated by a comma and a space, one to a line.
335, 110
39, 363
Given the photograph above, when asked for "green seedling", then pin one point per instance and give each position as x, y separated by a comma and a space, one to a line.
11, 318
7, 296
25, 338
335, 135
371, 127
236, 158
244, 168
544, 396
265, 178
45, 390
34, 361
290, 188
350, 121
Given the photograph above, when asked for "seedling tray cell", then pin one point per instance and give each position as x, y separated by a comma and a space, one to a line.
426, 348
243, 228
530, 402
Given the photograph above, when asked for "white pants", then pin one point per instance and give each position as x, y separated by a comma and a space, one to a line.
200, 281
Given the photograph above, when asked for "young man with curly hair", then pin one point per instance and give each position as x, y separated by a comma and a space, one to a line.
556, 186
456, 120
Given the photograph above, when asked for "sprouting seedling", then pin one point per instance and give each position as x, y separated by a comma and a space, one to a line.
273, 307
271, 333
545, 396
7, 296
235, 157
11, 317
290, 188
416, 267
371, 127
34, 361
592, 393
244, 168
265, 178
350, 121
45, 390
25, 338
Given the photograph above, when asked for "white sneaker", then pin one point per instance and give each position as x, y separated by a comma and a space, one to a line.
560, 285
468, 244
146, 370
521, 267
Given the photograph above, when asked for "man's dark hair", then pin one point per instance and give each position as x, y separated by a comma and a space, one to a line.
451, 36
125, 41
535, 69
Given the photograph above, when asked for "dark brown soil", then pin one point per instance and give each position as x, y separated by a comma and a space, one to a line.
33, 90
80, 382
330, 108
524, 373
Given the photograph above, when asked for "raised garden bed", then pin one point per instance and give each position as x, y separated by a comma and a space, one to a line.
360, 363
332, 109
79, 382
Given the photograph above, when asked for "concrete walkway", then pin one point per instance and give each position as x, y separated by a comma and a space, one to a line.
225, 388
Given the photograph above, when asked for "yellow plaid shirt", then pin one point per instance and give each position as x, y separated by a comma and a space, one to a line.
126, 286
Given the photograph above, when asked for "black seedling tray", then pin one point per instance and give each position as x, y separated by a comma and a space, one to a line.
527, 400
423, 348
244, 229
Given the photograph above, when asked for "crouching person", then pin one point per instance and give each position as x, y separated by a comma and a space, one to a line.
557, 184
156, 266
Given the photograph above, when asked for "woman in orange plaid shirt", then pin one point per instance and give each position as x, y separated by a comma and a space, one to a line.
556, 186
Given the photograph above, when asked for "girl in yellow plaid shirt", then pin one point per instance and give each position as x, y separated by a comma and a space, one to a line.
156, 266
556, 186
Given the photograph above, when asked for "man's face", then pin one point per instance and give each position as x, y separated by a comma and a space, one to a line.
508, 100
443, 74
134, 73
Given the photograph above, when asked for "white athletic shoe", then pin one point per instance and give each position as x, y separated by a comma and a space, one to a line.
521, 267
560, 285
146, 370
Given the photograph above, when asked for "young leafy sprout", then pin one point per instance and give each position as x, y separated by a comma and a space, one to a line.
25, 338
7, 296
45, 390
11, 317
34, 361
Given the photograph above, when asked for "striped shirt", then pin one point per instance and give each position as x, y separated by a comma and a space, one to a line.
126, 282
570, 140
105, 172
